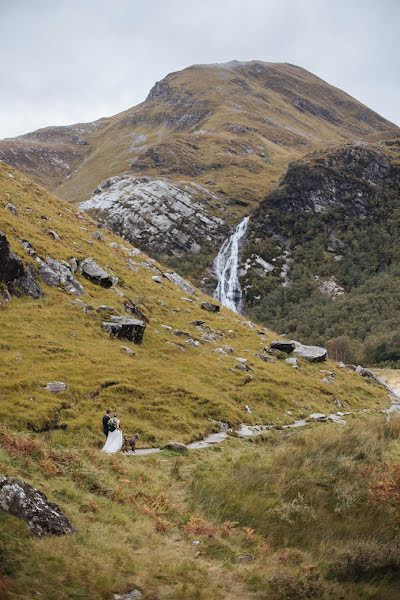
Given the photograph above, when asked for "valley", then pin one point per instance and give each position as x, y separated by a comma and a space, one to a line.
158, 263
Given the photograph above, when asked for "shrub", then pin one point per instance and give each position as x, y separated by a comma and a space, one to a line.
288, 586
366, 560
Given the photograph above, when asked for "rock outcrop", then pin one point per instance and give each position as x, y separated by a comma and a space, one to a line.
29, 504
155, 214
17, 279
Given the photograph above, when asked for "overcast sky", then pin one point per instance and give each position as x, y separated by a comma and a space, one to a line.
68, 61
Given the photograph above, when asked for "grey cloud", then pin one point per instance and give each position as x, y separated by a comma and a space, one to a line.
67, 61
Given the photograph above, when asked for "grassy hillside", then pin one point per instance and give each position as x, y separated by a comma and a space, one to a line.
137, 518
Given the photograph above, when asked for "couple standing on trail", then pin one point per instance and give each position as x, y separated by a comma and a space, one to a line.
113, 433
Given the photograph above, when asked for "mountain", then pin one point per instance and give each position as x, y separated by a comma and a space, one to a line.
240, 519
219, 136
322, 258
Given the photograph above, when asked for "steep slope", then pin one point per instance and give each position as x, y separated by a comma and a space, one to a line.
193, 368
328, 243
229, 128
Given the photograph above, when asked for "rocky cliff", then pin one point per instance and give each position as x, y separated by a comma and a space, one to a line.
322, 255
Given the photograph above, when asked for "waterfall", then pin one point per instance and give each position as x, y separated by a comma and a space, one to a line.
226, 265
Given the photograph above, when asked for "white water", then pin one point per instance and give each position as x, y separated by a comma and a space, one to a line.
226, 265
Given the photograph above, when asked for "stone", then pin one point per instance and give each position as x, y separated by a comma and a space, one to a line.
59, 274
157, 279
317, 417
292, 361
132, 595
210, 307
311, 353
192, 342
53, 234
128, 350
97, 235
282, 346
367, 373
180, 333
29, 504
134, 309
12, 208
265, 357
242, 367
56, 386
125, 328
94, 273
179, 281
176, 447
197, 323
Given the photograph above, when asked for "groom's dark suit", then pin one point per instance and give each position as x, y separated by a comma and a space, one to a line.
106, 418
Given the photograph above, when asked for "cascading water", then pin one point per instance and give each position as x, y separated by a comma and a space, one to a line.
226, 265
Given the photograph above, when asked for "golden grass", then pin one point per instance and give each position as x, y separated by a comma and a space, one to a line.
136, 518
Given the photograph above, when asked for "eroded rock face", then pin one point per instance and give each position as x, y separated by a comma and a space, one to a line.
179, 281
29, 504
96, 274
125, 328
154, 214
17, 279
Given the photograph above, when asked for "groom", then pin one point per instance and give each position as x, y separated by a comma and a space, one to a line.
105, 420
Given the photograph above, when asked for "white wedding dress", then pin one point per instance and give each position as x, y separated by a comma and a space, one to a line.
114, 442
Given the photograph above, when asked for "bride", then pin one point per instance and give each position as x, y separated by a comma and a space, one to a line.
114, 439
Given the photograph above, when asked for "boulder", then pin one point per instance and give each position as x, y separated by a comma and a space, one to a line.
56, 386
179, 281
12, 208
311, 353
192, 342
18, 279
127, 350
96, 274
176, 446
29, 504
125, 328
132, 595
210, 307
292, 361
156, 279
11, 266
59, 274
283, 346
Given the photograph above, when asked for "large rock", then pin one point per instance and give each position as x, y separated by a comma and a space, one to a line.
96, 274
125, 328
210, 307
311, 353
18, 279
59, 274
176, 447
283, 346
179, 281
25, 502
